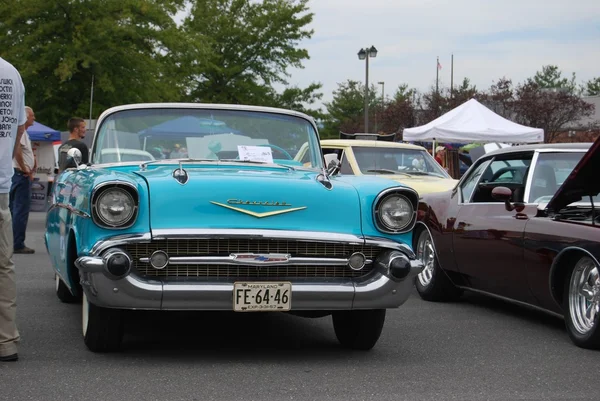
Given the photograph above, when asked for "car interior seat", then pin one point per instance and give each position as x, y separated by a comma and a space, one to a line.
543, 182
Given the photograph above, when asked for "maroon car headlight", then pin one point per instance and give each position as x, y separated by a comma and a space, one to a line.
395, 210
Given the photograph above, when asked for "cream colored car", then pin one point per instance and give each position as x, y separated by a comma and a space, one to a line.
408, 164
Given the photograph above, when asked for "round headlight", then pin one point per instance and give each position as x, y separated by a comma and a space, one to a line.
395, 212
115, 206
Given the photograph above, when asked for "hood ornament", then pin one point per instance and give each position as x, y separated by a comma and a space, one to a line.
181, 175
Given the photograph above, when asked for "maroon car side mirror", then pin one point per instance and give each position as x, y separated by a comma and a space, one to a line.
504, 194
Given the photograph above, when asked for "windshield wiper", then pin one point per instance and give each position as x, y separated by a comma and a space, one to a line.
146, 163
190, 160
424, 173
384, 171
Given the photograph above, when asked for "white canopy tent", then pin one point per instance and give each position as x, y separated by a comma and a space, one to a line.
473, 122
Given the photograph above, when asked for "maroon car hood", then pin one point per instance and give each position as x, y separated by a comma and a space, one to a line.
582, 182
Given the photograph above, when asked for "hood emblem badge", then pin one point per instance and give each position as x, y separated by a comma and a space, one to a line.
256, 214
260, 258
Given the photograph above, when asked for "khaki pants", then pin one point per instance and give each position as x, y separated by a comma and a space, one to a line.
9, 335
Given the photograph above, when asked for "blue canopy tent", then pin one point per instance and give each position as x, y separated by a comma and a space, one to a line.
188, 126
40, 132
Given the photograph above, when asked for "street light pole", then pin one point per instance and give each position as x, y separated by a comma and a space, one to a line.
365, 54
382, 102
367, 95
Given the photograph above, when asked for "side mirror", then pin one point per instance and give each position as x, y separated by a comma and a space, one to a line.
73, 158
504, 194
333, 167
501, 194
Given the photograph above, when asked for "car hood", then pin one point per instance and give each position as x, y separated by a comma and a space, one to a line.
250, 198
581, 182
423, 184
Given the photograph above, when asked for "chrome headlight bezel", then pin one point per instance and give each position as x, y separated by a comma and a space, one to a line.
411, 197
131, 192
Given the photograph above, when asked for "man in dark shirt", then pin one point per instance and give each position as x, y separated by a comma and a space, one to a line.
76, 134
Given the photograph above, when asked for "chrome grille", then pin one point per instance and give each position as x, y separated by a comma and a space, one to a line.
225, 247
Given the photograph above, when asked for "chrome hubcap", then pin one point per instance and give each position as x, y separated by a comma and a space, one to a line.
584, 295
426, 254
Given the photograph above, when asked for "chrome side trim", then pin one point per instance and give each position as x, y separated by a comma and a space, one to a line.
229, 260
70, 209
512, 301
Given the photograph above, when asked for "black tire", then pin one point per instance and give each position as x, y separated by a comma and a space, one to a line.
585, 334
358, 329
433, 284
104, 329
63, 293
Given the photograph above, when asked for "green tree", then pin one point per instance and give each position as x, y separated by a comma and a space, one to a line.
59, 45
550, 77
251, 45
592, 87
405, 93
346, 110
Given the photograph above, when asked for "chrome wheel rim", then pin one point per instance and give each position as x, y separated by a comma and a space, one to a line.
85, 317
584, 295
426, 254
56, 282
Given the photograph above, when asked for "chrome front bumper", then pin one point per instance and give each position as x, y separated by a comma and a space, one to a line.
379, 290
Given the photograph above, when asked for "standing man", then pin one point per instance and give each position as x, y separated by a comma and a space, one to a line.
20, 191
12, 126
76, 134
440, 152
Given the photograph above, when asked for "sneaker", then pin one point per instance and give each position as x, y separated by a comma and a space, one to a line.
9, 358
24, 250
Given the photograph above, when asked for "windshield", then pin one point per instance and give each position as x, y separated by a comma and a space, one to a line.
386, 160
551, 171
160, 134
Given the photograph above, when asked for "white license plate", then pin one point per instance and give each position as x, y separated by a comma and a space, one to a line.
262, 297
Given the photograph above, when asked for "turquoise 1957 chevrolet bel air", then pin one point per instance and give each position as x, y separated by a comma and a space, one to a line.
203, 207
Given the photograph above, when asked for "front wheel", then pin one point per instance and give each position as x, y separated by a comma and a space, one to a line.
432, 283
582, 303
102, 327
358, 329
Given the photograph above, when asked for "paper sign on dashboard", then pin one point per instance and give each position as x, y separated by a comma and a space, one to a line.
255, 153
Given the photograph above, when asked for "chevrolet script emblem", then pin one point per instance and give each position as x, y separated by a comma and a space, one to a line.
231, 202
260, 258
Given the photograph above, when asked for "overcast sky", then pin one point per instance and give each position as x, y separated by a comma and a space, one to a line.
489, 39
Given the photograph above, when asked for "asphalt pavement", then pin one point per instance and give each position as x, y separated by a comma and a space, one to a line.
475, 349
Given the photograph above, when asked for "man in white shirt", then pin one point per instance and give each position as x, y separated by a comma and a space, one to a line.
20, 191
12, 126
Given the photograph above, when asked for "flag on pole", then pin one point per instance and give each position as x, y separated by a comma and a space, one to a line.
439, 65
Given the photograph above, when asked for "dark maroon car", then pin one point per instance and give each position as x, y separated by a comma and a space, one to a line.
522, 224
